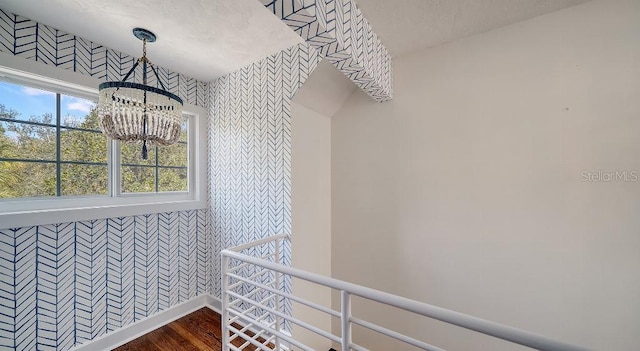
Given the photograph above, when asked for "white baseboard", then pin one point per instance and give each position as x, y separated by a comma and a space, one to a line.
122, 336
213, 303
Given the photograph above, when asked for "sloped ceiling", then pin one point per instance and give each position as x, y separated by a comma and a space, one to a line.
326, 90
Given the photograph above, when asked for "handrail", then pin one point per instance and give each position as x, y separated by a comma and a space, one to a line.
494, 329
258, 242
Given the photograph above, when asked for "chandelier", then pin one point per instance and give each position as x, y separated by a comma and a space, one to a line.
133, 112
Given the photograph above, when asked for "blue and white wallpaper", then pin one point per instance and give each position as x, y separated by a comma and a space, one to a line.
250, 155
339, 30
250, 117
35, 41
64, 284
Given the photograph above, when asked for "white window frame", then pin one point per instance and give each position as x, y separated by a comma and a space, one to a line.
48, 210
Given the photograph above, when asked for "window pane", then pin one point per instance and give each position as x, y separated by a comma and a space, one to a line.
83, 146
19, 140
132, 154
173, 155
172, 179
185, 128
159, 158
28, 104
138, 179
78, 112
27, 179
84, 179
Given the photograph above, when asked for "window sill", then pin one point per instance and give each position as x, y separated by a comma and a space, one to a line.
100, 210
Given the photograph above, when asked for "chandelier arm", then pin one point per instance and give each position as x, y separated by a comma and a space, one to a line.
153, 68
131, 71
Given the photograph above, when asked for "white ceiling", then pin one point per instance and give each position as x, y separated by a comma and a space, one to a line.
405, 26
209, 38
203, 39
409, 25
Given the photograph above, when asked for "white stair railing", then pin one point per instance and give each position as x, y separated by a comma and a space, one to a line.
253, 306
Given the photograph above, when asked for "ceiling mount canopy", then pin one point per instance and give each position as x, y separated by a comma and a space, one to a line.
134, 112
144, 34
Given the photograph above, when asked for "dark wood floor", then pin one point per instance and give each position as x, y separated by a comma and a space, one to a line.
198, 331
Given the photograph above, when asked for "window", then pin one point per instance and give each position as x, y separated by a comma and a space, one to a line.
50, 145
165, 169
54, 156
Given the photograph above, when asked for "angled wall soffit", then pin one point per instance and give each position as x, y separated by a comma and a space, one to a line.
343, 36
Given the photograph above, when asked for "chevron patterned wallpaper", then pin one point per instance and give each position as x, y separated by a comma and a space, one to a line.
250, 150
340, 32
35, 41
64, 284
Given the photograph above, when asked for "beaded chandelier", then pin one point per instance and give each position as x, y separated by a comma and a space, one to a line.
133, 112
